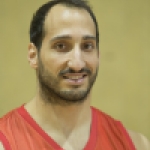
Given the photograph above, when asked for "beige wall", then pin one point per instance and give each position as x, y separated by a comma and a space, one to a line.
123, 84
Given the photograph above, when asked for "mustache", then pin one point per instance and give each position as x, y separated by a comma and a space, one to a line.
69, 70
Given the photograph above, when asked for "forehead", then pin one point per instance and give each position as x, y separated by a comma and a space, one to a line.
62, 18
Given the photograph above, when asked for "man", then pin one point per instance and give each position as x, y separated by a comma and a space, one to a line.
64, 52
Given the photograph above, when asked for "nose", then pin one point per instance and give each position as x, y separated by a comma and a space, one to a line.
76, 60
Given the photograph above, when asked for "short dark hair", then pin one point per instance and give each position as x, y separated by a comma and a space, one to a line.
37, 32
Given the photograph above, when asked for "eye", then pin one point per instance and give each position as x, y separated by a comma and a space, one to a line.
88, 46
60, 46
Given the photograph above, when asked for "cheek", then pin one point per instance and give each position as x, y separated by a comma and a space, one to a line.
54, 64
93, 62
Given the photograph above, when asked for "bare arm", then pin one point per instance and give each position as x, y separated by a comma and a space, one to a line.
1, 146
140, 141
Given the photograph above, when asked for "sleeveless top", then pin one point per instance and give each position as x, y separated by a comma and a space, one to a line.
18, 131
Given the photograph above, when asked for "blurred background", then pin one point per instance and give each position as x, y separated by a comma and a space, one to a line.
123, 85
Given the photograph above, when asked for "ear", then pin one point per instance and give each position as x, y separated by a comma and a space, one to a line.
33, 55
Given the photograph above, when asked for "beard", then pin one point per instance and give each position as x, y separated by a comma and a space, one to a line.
50, 90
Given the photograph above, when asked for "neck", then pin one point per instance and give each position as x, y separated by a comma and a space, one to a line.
63, 119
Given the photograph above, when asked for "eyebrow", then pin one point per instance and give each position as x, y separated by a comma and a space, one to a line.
61, 37
87, 37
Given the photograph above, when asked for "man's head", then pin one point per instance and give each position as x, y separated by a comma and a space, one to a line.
65, 52
37, 29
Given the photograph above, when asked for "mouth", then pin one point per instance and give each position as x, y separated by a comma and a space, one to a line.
75, 78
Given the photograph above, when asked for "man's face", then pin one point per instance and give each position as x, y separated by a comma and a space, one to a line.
68, 59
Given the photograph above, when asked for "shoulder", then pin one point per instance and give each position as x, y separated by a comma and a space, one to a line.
139, 140
6, 123
10, 117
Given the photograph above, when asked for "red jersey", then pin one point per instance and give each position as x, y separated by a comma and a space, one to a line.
18, 131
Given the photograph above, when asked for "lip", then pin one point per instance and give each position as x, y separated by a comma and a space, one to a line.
71, 78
